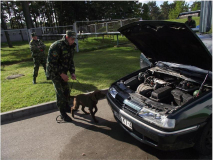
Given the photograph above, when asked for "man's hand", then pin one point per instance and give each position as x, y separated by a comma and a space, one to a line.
73, 76
64, 77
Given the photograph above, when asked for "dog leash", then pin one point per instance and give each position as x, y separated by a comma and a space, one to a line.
59, 121
73, 82
72, 85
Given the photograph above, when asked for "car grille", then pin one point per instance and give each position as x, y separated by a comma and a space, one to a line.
125, 107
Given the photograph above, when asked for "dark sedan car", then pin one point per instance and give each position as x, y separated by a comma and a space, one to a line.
168, 102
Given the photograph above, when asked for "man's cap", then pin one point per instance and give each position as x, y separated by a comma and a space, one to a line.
189, 17
70, 33
33, 34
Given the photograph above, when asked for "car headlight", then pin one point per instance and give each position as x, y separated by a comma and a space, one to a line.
156, 118
113, 92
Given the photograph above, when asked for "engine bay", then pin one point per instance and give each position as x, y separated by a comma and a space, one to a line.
163, 91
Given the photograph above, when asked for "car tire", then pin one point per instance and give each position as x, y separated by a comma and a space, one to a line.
204, 144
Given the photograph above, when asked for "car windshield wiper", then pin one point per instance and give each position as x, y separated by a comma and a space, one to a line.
183, 71
167, 67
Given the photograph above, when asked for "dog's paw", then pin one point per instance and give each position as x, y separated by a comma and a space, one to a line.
72, 113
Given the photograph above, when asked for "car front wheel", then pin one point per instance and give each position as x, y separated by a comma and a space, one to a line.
204, 144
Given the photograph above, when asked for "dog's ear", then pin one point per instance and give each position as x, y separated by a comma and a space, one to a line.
93, 97
71, 98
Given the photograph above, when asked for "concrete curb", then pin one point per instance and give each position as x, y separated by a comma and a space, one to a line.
29, 111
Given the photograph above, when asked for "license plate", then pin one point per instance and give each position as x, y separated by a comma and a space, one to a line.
126, 122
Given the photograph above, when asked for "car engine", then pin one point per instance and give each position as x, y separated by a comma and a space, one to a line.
165, 88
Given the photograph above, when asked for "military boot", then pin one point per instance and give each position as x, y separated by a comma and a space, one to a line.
34, 80
64, 116
68, 108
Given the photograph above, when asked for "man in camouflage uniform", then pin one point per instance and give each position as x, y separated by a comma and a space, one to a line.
59, 62
191, 23
37, 48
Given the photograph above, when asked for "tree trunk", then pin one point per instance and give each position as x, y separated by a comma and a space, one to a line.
28, 19
4, 26
21, 35
9, 13
35, 20
17, 24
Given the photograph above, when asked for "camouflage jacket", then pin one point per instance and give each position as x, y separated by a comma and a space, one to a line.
60, 59
191, 24
37, 48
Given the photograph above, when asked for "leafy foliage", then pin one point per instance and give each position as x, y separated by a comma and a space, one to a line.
165, 8
180, 6
154, 11
196, 6
145, 14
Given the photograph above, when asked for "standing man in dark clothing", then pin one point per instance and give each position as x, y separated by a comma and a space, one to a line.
37, 48
59, 63
191, 23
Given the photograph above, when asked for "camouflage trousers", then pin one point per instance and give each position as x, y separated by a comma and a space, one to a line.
37, 61
62, 91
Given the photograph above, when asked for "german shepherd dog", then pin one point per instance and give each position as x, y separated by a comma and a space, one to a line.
87, 100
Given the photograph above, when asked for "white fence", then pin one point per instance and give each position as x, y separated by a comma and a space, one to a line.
96, 26
15, 35
25, 34
100, 26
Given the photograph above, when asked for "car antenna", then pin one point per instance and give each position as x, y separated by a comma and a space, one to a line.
202, 84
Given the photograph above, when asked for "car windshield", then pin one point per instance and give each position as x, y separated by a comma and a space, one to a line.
207, 41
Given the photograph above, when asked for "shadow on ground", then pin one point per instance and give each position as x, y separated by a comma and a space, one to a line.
114, 130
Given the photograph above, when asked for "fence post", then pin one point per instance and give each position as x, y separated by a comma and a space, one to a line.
95, 30
21, 36
106, 27
29, 34
121, 23
76, 40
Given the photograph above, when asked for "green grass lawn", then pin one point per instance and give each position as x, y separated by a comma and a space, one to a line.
197, 20
21, 51
94, 70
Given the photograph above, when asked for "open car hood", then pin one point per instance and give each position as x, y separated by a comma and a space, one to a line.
169, 42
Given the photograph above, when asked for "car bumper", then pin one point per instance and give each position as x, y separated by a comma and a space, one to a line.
147, 134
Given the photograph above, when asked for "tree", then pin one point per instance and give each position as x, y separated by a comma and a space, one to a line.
145, 14
51, 13
27, 15
154, 10
180, 6
4, 26
19, 14
196, 6
165, 8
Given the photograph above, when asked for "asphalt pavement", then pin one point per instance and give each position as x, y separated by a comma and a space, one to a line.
41, 137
